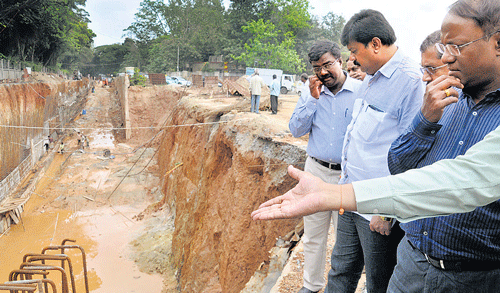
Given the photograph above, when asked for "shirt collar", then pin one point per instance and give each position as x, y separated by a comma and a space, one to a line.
348, 86
390, 67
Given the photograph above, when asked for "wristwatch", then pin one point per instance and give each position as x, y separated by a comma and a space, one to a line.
387, 219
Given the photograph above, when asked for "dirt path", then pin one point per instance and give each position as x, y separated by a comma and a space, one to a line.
84, 196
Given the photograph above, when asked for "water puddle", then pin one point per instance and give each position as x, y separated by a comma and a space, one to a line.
104, 232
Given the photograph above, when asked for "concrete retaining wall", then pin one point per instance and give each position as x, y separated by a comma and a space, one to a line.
29, 112
122, 83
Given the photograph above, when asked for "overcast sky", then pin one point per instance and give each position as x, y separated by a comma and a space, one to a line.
412, 20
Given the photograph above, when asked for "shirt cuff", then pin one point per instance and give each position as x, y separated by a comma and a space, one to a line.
423, 127
374, 196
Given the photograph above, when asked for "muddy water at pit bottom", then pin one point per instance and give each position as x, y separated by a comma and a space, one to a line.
104, 234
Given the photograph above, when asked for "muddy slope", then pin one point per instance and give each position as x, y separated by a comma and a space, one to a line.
230, 164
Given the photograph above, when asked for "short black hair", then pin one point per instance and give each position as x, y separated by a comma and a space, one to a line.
430, 41
320, 48
274, 76
366, 25
485, 13
304, 76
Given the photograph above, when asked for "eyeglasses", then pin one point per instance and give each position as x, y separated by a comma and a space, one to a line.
431, 70
327, 66
454, 50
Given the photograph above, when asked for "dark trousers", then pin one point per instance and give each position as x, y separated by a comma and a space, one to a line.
358, 246
274, 104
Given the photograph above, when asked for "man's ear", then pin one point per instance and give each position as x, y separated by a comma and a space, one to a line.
376, 44
496, 39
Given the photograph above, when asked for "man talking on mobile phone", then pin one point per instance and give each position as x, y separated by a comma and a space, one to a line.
324, 114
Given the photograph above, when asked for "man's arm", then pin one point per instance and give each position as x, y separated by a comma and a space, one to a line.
417, 140
412, 146
302, 117
445, 187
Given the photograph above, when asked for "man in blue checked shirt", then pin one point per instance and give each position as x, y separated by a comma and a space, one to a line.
323, 111
460, 252
389, 98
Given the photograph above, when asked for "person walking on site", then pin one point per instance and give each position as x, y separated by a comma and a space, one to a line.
388, 99
256, 84
461, 251
61, 148
275, 92
304, 86
324, 113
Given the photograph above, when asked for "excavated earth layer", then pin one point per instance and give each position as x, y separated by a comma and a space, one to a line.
184, 209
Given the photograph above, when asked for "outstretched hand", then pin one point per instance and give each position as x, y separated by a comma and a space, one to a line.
309, 196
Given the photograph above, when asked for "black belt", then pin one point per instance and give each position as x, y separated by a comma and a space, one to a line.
333, 166
459, 266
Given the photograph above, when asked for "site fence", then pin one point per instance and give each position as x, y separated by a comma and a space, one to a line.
10, 70
11, 182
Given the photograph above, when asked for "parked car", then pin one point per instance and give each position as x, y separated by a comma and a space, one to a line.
170, 80
181, 81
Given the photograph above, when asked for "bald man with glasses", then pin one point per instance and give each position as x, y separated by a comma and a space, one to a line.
461, 252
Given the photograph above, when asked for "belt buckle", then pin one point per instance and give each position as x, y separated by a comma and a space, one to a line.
441, 263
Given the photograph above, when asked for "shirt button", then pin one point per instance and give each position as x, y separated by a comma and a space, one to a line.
474, 113
425, 233
460, 142
333, 113
433, 131
331, 144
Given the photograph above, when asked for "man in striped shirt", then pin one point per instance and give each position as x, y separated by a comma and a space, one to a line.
460, 252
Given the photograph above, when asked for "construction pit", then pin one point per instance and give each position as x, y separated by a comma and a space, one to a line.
168, 209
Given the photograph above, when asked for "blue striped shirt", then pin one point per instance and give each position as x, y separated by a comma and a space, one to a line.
474, 235
325, 120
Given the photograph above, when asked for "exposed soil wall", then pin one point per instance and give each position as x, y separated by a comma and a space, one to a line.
33, 110
228, 170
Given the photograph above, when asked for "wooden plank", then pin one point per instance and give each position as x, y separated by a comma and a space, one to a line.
14, 218
12, 204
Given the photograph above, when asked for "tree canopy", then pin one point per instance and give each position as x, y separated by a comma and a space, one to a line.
43, 30
167, 35
269, 33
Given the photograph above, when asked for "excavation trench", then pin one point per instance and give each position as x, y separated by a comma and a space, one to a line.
169, 214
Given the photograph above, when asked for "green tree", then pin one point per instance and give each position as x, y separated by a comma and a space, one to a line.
137, 53
164, 52
332, 26
108, 60
43, 30
194, 27
265, 50
287, 15
325, 28
239, 14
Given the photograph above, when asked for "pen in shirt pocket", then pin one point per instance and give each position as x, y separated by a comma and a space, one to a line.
376, 108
